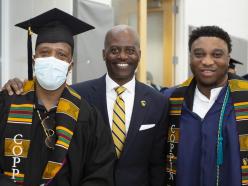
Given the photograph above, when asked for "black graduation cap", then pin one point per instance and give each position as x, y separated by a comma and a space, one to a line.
232, 63
51, 27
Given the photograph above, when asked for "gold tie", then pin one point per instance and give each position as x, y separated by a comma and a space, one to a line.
118, 125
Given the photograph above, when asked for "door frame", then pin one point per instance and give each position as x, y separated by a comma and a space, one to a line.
168, 8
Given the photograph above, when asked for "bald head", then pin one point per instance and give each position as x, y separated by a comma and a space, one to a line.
121, 53
123, 30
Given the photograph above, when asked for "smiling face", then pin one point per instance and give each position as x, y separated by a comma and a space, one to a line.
209, 60
121, 54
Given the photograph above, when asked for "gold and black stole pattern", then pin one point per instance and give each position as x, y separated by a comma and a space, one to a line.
239, 95
176, 102
18, 133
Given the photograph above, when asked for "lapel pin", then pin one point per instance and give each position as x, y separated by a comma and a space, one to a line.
143, 103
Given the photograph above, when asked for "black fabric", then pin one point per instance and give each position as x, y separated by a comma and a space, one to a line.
90, 158
4, 106
4, 181
245, 76
30, 55
55, 32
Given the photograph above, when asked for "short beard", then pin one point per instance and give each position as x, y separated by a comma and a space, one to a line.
211, 85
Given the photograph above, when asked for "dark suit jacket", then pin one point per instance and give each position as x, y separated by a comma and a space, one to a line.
142, 162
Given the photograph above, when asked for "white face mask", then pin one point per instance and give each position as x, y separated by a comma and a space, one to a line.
50, 72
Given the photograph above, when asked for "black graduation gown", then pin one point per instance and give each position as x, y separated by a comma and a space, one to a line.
90, 157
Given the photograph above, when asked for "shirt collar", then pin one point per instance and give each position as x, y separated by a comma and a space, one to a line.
111, 85
213, 94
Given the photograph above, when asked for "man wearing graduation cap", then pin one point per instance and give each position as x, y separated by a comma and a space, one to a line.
134, 112
49, 135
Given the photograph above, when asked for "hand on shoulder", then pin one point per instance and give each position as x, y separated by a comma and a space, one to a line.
14, 85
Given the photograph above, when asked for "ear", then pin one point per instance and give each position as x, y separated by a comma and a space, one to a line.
139, 52
228, 59
104, 54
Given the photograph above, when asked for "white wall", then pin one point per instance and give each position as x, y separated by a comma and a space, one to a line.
108, 2
4, 40
231, 15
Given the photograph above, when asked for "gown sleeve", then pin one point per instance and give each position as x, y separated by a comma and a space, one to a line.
100, 158
91, 155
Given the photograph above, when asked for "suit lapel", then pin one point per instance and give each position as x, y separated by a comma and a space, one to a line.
138, 115
99, 97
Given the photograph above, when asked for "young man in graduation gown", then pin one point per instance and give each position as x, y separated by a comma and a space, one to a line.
208, 120
49, 135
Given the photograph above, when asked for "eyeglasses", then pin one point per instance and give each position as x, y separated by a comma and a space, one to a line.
48, 125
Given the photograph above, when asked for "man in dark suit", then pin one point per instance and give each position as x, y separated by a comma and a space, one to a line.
141, 157
142, 160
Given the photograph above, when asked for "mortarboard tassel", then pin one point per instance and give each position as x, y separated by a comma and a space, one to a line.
30, 53
220, 151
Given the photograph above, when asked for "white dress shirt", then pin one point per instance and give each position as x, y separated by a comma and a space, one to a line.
202, 104
127, 96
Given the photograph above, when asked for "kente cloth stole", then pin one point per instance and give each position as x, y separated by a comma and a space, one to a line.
18, 133
239, 95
